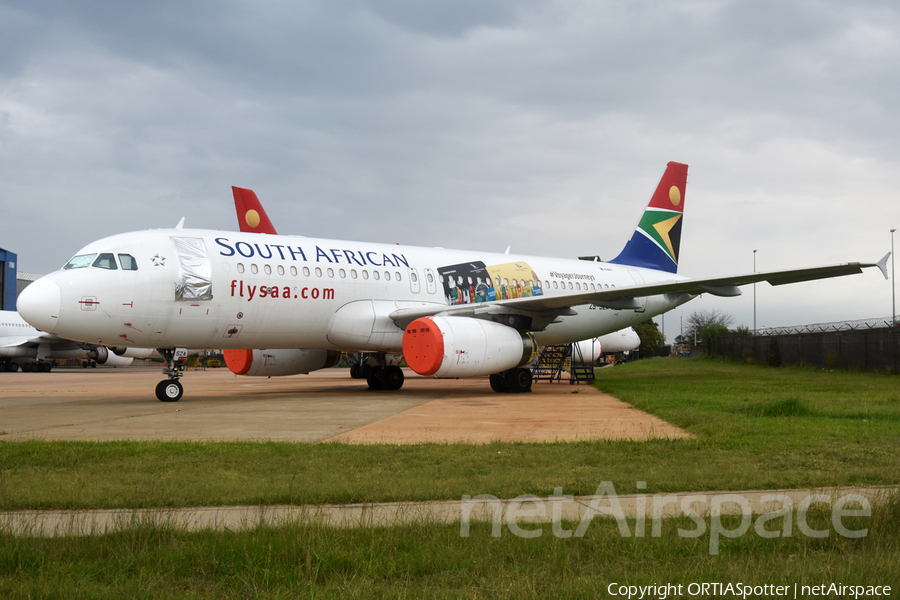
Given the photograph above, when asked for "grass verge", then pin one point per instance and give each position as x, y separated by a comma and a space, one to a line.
424, 560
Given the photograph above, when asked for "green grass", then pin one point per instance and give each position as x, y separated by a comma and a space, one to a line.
754, 427
425, 560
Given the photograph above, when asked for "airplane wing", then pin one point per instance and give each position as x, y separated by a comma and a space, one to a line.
547, 308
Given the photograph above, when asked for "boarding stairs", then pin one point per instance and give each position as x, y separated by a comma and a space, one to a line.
559, 363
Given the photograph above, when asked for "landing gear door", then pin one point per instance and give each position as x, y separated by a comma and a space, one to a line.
194, 281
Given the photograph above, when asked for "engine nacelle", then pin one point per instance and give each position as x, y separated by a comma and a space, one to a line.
463, 347
274, 363
133, 352
611, 343
100, 354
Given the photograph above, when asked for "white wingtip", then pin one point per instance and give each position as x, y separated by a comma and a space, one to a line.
180, 224
507, 249
882, 264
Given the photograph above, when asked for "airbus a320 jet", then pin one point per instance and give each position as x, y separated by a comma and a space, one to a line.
252, 218
449, 313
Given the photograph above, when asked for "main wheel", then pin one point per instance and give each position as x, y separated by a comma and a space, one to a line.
169, 390
373, 378
519, 380
391, 378
497, 383
45, 367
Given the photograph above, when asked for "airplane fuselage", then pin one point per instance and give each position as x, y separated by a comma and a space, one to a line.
214, 289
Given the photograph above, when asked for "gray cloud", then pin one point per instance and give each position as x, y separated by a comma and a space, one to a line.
543, 125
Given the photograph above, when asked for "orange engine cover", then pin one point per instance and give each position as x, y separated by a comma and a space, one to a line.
463, 347
273, 363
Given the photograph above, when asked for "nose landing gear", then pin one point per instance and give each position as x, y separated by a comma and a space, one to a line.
171, 390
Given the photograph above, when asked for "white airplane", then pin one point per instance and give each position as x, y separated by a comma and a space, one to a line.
252, 218
23, 346
449, 313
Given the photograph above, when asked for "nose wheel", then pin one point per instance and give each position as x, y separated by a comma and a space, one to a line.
171, 390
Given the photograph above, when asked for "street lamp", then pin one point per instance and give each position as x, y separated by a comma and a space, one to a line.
893, 286
754, 294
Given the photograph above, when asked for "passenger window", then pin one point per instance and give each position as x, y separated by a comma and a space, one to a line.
240, 267
128, 263
365, 274
397, 275
376, 275
105, 261
267, 269
387, 276
280, 270
353, 273
306, 271
294, 271
331, 272
318, 272
80, 262
254, 269
343, 274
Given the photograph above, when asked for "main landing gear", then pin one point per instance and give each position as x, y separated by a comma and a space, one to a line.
512, 381
378, 372
171, 390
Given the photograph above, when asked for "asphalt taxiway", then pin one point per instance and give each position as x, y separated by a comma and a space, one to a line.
119, 404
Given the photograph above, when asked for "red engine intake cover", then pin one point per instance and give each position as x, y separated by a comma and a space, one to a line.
423, 346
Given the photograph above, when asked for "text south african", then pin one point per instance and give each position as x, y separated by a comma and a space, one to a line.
294, 253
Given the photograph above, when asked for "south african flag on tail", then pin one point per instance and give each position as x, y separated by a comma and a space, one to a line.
656, 241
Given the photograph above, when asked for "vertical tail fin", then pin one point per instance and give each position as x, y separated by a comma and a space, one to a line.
656, 241
251, 216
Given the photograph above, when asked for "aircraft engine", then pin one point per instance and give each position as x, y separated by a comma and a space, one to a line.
133, 352
463, 347
99, 354
274, 363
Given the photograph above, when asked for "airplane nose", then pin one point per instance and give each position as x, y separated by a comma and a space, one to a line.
39, 304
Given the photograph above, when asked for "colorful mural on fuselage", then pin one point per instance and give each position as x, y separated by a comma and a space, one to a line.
473, 282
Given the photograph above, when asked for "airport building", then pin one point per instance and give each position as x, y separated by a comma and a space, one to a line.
8, 290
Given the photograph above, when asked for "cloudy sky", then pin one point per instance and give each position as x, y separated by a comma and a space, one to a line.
544, 125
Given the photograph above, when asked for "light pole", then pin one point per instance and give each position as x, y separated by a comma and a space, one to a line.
754, 294
893, 286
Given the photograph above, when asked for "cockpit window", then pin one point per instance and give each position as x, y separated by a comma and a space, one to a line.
105, 261
127, 262
81, 261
